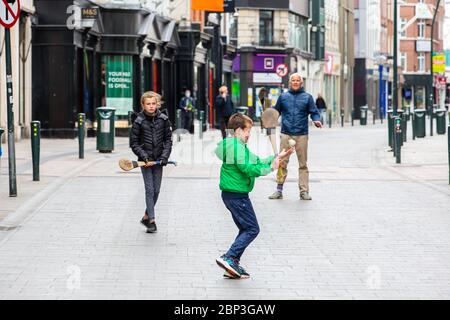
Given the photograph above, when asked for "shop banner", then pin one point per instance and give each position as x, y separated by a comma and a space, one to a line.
438, 62
119, 83
208, 5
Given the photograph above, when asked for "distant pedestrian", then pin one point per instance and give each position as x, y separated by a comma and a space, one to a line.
262, 104
151, 140
237, 177
187, 106
322, 106
224, 108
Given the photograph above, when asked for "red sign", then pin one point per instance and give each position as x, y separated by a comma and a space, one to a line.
9, 12
282, 70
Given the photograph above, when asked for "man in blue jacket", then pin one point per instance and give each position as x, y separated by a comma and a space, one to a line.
294, 107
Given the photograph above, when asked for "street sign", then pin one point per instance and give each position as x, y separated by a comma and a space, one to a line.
282, 70
9, 12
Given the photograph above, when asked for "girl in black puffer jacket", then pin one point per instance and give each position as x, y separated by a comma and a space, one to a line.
151, 140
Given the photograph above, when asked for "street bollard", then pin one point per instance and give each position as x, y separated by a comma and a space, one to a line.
404, 127
202, 119
373, 115
413, 126
398, 138
81, 134
342, 118
353, 116
178, 121
2, 131
130, 122
329, 119
431, 120
448, 145
35, 147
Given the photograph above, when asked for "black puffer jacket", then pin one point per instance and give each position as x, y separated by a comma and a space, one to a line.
151, 137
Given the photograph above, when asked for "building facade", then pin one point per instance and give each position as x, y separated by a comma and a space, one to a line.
332, 68
21, 53
347, 50
415, 51
275, 39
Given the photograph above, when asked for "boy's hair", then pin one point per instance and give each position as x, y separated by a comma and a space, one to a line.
239, 120
149, 95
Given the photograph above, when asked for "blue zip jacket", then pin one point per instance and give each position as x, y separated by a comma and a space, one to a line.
294, 108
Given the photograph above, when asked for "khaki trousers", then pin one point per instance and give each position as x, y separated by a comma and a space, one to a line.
301, 149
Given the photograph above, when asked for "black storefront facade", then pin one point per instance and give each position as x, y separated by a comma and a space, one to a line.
108, 58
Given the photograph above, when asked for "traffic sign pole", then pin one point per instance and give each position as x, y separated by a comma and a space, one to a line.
9, 98
10, 9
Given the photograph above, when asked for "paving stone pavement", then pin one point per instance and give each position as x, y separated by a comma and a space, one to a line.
374, 230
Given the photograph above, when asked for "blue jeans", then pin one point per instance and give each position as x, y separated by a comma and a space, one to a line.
152, 181
245, 219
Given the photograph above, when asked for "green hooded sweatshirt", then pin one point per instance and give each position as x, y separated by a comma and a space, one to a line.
240, 167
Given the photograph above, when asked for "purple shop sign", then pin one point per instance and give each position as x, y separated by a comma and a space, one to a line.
261, 62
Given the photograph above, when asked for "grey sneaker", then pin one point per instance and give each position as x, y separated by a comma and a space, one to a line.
276, 195
305, 196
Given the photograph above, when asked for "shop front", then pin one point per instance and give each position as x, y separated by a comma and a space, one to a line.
257, 71
108, 57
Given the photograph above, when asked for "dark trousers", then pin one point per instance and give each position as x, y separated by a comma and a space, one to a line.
187, 120
152, 181
223, 125
245, 219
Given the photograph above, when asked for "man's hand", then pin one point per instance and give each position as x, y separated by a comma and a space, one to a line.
163, 162
318, 124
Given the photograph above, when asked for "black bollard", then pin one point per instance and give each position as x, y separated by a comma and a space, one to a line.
81, 134
36, 148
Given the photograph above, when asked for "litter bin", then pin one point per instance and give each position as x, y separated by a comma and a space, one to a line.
105, 129
390, 116
364, 111
419, 122
440, 121
242, 110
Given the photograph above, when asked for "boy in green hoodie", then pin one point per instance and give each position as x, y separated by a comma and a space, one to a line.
237, 177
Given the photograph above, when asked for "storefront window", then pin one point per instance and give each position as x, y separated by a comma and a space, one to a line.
118, 81
266, 28
298, 32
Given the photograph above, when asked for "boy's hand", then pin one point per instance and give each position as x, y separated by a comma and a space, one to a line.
275, 163
286, 153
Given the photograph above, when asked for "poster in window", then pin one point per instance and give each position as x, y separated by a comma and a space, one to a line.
119, 83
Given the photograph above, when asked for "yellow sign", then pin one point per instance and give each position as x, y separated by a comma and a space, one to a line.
438, 62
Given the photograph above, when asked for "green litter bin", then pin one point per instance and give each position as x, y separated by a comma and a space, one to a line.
105, 129
419, 122
364, 111
440, 121
390, 117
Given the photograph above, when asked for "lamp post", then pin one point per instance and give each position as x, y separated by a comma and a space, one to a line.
432, 94
397, 130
